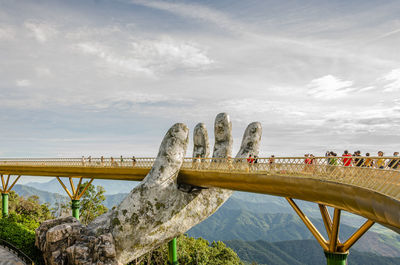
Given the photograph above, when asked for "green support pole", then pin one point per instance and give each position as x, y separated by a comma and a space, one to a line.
172, 255
75, 208
336, 258
4, 197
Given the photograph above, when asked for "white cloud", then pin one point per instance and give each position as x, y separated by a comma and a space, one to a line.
368, 88
149, 57
41, 31
42, 71
393, 79
117, 63
170, 54
6, 32
329, 87
194, 11
23, 83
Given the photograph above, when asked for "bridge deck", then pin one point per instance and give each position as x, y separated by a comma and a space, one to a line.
9, 258
366, 191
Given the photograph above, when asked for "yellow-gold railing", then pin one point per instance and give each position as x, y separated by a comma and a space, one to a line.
358, 171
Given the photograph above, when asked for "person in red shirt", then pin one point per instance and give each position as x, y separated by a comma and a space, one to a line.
250, 160
347, 160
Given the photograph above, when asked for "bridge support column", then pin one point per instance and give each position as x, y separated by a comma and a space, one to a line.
336, 258
172, 253
4, 193
4, 209
77, 193
75, 208
335, 251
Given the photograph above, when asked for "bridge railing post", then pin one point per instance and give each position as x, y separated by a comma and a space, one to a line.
172, 253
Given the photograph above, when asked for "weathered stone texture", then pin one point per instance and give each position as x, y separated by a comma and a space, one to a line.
155, 211
201, 145
66, 241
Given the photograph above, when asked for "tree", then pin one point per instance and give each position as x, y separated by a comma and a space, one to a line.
61, 208
91, 204
192, 251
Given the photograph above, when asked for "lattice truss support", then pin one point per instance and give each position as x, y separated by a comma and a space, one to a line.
74, 194
333, 245
5, 188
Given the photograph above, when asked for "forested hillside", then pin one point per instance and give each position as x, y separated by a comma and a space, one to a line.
298, 252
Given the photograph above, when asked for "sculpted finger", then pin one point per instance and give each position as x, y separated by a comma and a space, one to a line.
251, 141
223, 136
201, 148
170, 155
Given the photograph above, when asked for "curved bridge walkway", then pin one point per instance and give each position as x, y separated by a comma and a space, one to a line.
9, 258
366, 186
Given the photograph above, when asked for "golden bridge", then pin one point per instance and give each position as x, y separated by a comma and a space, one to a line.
364, 190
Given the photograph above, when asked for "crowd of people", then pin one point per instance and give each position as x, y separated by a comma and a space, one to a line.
356, 159
112, 161
332, 159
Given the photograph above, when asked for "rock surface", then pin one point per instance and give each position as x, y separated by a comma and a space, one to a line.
66, 241
155, 211
201, 146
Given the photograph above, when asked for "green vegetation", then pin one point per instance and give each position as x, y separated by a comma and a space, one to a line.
27, 214
19, 227
193, 251
91, 203
239, 223
298, 252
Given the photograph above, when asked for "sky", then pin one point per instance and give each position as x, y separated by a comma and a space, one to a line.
111, 77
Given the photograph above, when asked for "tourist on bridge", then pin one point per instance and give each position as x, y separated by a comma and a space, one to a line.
250, 161
346, 159
380, 163
102, 161
394, 163
113, 162
368, 161
358, 161
308, 161
133, 161
271, 162
332, 161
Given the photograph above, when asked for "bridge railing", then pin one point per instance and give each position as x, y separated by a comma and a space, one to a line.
375, 173
17, 251
129, 162
380, 174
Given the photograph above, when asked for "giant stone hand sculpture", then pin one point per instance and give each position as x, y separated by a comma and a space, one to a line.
155, 211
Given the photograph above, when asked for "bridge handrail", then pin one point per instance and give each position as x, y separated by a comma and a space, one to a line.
17, 251
383, 180
144, 161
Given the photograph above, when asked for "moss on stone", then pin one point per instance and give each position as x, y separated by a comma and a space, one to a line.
116, 222
159, 205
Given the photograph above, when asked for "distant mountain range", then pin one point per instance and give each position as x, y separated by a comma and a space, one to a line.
52, 198
111, 186
249, 217
298, 252
230, 223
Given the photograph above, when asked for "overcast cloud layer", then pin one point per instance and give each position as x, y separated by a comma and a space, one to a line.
110, 77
